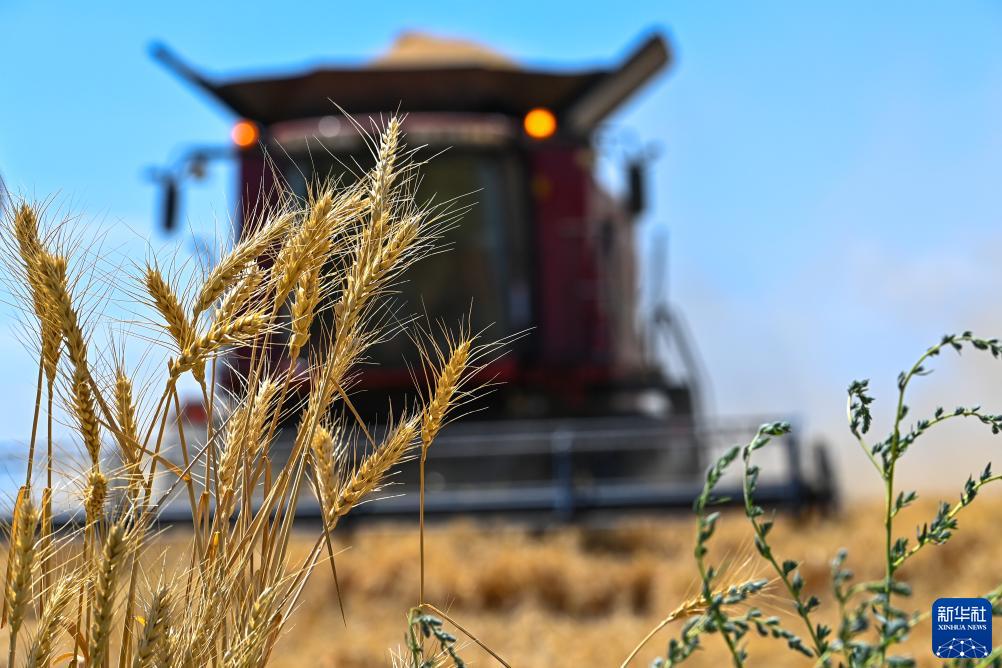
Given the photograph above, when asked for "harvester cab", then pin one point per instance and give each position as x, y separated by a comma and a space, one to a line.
597, 406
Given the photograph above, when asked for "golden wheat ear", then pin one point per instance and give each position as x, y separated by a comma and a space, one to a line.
371, 473
168, 305
20, 565
247, 252
245, 294
128, 431
156, 627
40, 651
305, 250
31, 249
115, 552
236, 331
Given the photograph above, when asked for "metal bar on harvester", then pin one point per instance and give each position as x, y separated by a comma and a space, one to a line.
580, 474
562, 450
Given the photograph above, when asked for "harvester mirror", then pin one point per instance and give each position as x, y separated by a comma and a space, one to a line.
636, 183
168, 210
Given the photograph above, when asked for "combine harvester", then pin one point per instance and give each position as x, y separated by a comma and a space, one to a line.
598, 408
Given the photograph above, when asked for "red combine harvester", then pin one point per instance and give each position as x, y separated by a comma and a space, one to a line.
598, 407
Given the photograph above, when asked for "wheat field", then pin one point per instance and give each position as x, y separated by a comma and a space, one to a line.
584, 596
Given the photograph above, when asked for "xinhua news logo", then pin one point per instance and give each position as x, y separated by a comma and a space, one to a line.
961, 628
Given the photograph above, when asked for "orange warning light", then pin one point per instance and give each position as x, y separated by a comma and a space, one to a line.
244, 134
540, 123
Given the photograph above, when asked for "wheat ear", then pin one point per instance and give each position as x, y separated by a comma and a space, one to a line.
225, 333
31, 251
19, 565
155, 629
248, 648
450, 379
115, 549
54, 275
304, 306
318, 241
323, 462
368, 477
301, 250
240, 295
243, 442
236, 261
167, 303
40, 652
383, 176
95, 494
128, 436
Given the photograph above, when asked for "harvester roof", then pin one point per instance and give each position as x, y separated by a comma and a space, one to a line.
424, 74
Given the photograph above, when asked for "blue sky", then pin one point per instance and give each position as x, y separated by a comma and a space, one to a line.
828, 176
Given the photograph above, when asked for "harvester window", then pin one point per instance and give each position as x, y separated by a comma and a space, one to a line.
486, 258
